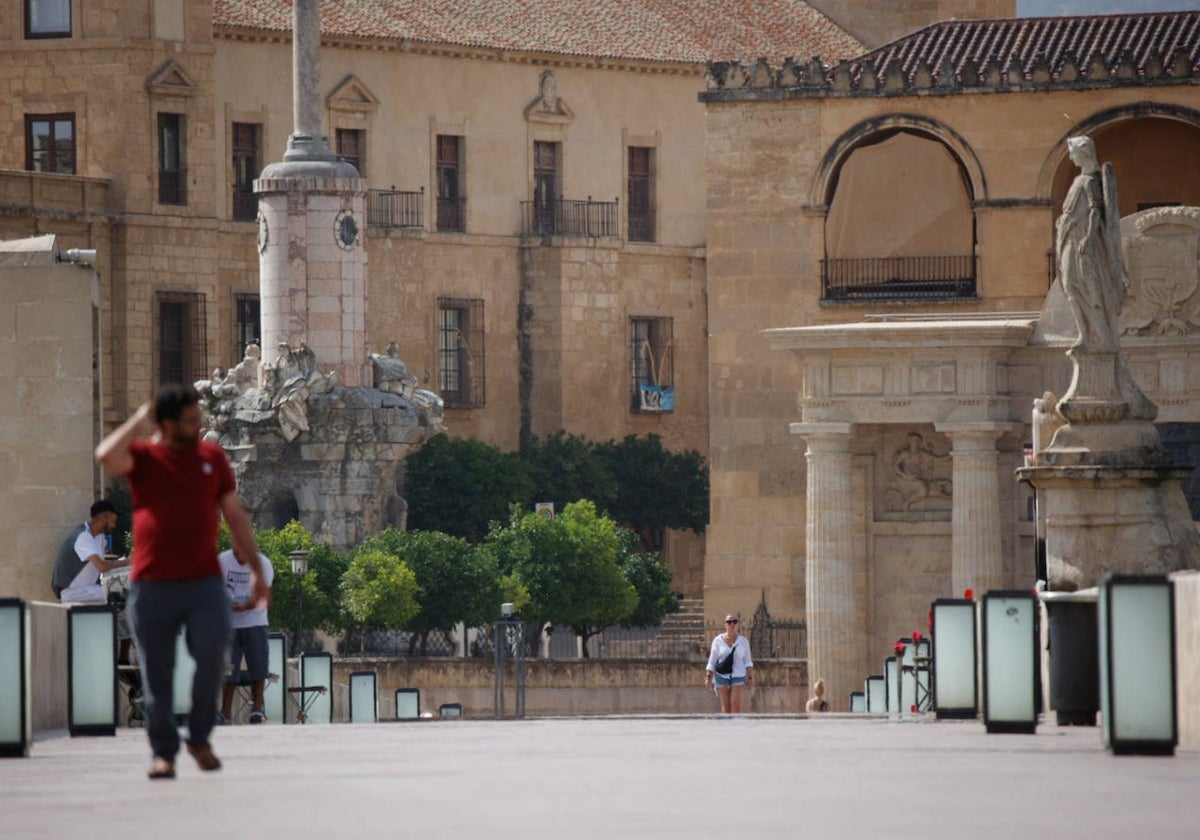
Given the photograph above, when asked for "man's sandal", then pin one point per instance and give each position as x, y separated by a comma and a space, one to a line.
205, 759
161, 768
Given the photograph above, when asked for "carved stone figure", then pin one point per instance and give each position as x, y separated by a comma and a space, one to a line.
391, 374
297, 377
549, 93
916, 470
1088, 249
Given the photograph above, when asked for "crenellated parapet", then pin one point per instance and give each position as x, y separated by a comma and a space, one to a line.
798, 79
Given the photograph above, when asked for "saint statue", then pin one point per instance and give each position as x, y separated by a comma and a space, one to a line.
1087, 246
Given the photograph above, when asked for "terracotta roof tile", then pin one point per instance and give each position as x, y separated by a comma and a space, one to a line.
691, 31
1028, 40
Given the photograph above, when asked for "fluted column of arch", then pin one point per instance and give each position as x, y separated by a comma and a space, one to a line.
834, 605
977, 546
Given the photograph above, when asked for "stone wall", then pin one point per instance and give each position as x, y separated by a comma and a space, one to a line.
557, 687
49, 418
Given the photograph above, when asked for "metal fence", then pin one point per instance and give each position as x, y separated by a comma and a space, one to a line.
397, 643
395, 208
777, 638
569, 217
898, 278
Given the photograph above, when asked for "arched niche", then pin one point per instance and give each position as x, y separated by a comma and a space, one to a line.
1154, 149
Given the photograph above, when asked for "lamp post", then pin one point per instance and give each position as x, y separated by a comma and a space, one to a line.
299, 559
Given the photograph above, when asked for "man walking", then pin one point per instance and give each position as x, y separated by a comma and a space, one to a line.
178, 484
249, 634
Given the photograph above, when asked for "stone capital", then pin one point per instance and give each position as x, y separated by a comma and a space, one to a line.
973, 436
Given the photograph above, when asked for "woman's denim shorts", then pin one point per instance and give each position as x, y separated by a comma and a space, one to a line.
723, 680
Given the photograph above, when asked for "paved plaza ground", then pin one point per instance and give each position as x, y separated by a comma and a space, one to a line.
830, 777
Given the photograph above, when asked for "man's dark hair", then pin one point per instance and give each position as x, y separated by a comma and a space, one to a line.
172, 399
102, 506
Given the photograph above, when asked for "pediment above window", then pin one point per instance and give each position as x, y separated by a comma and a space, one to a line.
351, 94
170, 79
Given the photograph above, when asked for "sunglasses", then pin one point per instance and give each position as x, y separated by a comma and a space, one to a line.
731, 621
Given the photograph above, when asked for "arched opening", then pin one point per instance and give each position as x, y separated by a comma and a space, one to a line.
900, 223
1156, 161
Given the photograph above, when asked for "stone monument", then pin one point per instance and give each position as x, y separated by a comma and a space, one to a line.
319, 434
1109, 493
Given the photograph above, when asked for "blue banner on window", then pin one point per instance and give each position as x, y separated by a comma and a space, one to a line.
656, 397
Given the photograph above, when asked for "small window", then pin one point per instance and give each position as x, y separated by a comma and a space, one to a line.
652, 364
50, 143
641, 194
247, 323
451, 203
352, 148
460, 352
247, 140
47, 18
172, 173
182, 337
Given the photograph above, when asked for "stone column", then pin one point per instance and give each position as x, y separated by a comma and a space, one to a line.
307, 141
833, 591
978, 558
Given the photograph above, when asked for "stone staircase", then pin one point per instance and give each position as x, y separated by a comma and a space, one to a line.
682, 633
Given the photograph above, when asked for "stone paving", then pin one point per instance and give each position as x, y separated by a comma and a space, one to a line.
652, 777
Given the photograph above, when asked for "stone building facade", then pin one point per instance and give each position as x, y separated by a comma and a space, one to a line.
535, 205
882, 313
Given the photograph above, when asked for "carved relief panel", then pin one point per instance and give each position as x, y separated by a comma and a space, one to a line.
912, 475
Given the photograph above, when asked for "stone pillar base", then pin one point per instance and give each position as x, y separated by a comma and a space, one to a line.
1102, 519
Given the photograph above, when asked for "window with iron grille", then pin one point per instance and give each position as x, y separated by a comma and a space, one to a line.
172, 171
247, 323
652, 364
47, 18
450, 198
50, 143
247, 140
460, 352
352, 148
182, 327
641, 194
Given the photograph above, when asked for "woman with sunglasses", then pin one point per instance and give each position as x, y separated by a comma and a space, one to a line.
731, 686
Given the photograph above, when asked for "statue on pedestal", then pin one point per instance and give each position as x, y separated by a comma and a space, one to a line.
1087, 247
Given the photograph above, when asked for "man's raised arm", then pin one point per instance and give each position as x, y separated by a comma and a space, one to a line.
113, 452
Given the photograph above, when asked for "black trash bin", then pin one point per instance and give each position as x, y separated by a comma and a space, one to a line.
1073, 643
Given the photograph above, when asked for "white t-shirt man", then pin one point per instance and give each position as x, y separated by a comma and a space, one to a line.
237, 584
85, 586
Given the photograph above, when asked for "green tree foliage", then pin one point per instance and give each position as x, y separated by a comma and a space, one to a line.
459, 486
322, 595
379, 591
650, 578
568, 565
455, 581
656, 488
565, 468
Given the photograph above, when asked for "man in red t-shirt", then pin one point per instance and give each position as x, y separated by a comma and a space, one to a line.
178, 484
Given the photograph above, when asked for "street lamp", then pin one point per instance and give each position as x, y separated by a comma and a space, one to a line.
299, 559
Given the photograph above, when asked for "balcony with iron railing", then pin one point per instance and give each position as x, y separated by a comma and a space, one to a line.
172, 186
245, 204
898, 278
396, 208
452, 213
570, 217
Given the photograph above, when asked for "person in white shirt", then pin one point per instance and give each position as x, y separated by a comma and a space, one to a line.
249, 638
730, 668
81, 557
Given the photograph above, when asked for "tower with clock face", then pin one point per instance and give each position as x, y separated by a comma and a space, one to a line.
311, 231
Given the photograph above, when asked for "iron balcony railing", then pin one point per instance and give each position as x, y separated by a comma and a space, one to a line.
641, 226
452, 213
395, 208
245, 204
172, 186
570, 217
898, 278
